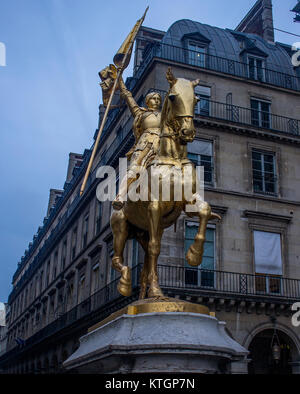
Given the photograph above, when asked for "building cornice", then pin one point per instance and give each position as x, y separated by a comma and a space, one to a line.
251, 196
267, 216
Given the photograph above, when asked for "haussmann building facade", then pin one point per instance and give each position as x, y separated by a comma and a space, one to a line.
248, 140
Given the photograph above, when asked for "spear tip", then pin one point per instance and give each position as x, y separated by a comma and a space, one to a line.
145, 12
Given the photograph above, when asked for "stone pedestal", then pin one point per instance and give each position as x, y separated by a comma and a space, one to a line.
158, 342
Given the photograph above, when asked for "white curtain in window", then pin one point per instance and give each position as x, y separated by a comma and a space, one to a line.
200, 147
267, 253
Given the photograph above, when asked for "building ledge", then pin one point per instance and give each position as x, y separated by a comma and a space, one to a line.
267, 216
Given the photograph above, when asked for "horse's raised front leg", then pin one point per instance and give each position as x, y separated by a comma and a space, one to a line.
195, 251
119, 226
155, 234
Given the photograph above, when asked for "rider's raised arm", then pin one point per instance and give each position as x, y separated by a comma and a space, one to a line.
126, 94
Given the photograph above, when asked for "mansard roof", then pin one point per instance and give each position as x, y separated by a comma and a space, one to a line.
231, 44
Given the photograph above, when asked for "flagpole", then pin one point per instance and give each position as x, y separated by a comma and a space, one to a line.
119, 72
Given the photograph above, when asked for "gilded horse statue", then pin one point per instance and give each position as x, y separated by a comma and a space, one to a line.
145, 220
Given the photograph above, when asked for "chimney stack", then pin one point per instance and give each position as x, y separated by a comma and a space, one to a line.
259, 21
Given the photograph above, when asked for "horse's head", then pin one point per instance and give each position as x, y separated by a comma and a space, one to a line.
181, 106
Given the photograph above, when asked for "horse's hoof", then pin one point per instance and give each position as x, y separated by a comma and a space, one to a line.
118, 203
193, 259
124, 290
124, 285
155, 292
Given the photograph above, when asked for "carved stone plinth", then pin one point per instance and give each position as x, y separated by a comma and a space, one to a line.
140, 340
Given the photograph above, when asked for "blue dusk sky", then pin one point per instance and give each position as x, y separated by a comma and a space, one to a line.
49, 91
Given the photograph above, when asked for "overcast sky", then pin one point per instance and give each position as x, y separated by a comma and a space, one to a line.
49, 91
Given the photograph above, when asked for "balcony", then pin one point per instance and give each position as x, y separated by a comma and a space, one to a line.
244, 116
217, 64
222, 283
250, 117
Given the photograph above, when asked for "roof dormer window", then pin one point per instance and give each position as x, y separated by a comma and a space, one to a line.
196, 48
256, 68
197, 54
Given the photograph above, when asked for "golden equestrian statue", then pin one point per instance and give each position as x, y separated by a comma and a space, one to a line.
146, 220
160, 148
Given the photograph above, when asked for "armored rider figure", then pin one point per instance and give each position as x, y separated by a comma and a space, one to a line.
146, 129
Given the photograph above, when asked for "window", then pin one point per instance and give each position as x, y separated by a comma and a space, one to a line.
70, 294
85, 229
44, 313
260, 113
36, 286
256, 68
74, 241
98, 217
203, 275
109, 256
196, 54
48, 273
55, 265
200, 152
135, 261
268, 262
95, 275
64, 255
26, 298
264, 172
135, 253
81, 288
52, 302
22, 302
203, 105
41, 281
37, 319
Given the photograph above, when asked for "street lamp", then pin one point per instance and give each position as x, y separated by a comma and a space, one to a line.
275, 345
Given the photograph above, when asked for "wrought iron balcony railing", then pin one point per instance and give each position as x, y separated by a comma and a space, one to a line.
249, 117
214, 110
230, 283
243, 115
174, 279
218, 64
